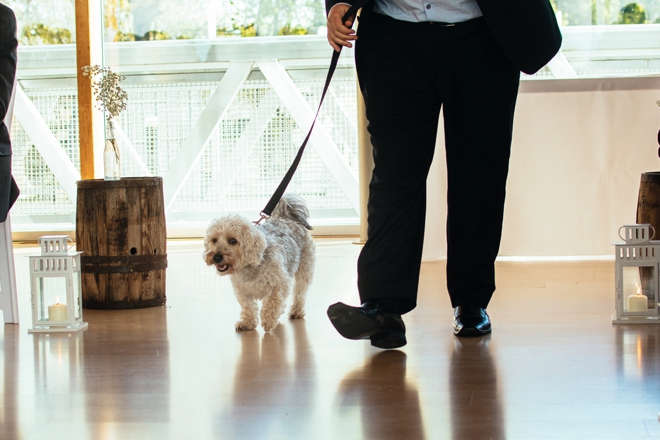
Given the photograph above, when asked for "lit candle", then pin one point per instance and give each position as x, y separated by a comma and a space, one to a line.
638, 302
57, 312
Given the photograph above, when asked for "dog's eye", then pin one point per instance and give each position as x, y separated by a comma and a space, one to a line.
233, 241
215, 240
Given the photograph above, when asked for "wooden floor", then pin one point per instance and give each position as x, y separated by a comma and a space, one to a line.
554, 367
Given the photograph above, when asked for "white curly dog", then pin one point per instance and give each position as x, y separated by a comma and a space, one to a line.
265, 262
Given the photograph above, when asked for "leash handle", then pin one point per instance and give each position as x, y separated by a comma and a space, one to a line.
279, 192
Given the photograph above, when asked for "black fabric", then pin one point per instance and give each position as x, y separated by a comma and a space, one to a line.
526, 30
404, 86
8, 44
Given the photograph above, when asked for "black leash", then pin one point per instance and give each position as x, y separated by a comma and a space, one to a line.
275, 198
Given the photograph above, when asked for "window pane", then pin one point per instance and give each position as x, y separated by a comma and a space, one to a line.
606, 38
46, 75
148, 20
44, 21
607, 12
204, 114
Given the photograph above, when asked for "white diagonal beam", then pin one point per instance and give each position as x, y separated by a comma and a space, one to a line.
47, 145
259, 120
303, 114
192, 147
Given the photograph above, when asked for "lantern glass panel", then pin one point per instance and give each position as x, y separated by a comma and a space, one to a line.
77, 306
639, 289
50, 291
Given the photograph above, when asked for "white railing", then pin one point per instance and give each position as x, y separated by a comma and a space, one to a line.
221, 119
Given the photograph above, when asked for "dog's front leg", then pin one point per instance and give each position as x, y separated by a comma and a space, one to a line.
249, 313
272, 308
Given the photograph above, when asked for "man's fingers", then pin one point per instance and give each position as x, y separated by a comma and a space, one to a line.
340, 33
337, 40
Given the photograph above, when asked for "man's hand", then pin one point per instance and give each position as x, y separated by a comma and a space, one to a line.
340, 33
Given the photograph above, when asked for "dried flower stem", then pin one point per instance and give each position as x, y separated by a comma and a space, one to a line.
110, 97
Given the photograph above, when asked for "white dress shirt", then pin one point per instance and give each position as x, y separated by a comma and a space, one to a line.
447, 11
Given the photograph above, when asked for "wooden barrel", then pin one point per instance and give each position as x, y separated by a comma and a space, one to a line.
648, 211
648, 201
120, 227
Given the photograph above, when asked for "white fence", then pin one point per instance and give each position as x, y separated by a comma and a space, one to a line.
221, 120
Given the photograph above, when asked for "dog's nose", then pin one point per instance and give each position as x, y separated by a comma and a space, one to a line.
217, 258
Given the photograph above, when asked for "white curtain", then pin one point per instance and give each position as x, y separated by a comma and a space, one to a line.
579, 149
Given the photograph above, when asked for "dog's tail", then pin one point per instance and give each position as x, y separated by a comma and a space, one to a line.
293, 207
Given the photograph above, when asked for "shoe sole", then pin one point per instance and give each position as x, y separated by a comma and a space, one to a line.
350, 323
471, 332
388, 340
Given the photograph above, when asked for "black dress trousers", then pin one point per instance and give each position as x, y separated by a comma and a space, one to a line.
8, 44
407, 72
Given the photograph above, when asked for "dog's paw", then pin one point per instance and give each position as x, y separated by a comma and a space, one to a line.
296, 314
268, 326
244, 327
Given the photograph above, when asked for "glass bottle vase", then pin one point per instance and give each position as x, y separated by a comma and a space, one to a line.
111, 156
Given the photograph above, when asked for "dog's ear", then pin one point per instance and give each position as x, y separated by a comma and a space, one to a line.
254, 245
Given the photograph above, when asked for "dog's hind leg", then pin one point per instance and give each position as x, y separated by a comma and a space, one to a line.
249, 313
303, 279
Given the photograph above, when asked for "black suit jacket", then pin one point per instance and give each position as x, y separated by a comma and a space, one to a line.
526, 30
8, 45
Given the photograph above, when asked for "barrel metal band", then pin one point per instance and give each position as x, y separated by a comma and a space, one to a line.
123, 263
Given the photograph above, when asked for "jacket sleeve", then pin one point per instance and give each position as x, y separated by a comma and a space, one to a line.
8, 45
330, 3
526, 30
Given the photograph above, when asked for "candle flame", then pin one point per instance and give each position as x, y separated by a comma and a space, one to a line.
639, 289
57, 300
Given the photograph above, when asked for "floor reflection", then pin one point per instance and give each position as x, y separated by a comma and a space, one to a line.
476, 408
637, 351
274, 385
58, 362
126, 369
387, 400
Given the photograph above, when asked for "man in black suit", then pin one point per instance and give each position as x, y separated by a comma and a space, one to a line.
412, 58
8, 45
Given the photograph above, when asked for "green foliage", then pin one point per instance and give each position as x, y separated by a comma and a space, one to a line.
248, 30
37, 33
155, 35
288, 30
127, 37
632, 13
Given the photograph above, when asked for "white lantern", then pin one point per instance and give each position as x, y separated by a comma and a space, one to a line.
636, 263
55, 287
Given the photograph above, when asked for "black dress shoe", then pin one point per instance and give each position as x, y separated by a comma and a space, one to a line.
385, 328
471, 321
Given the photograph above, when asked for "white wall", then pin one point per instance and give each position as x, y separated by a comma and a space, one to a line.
578, 152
